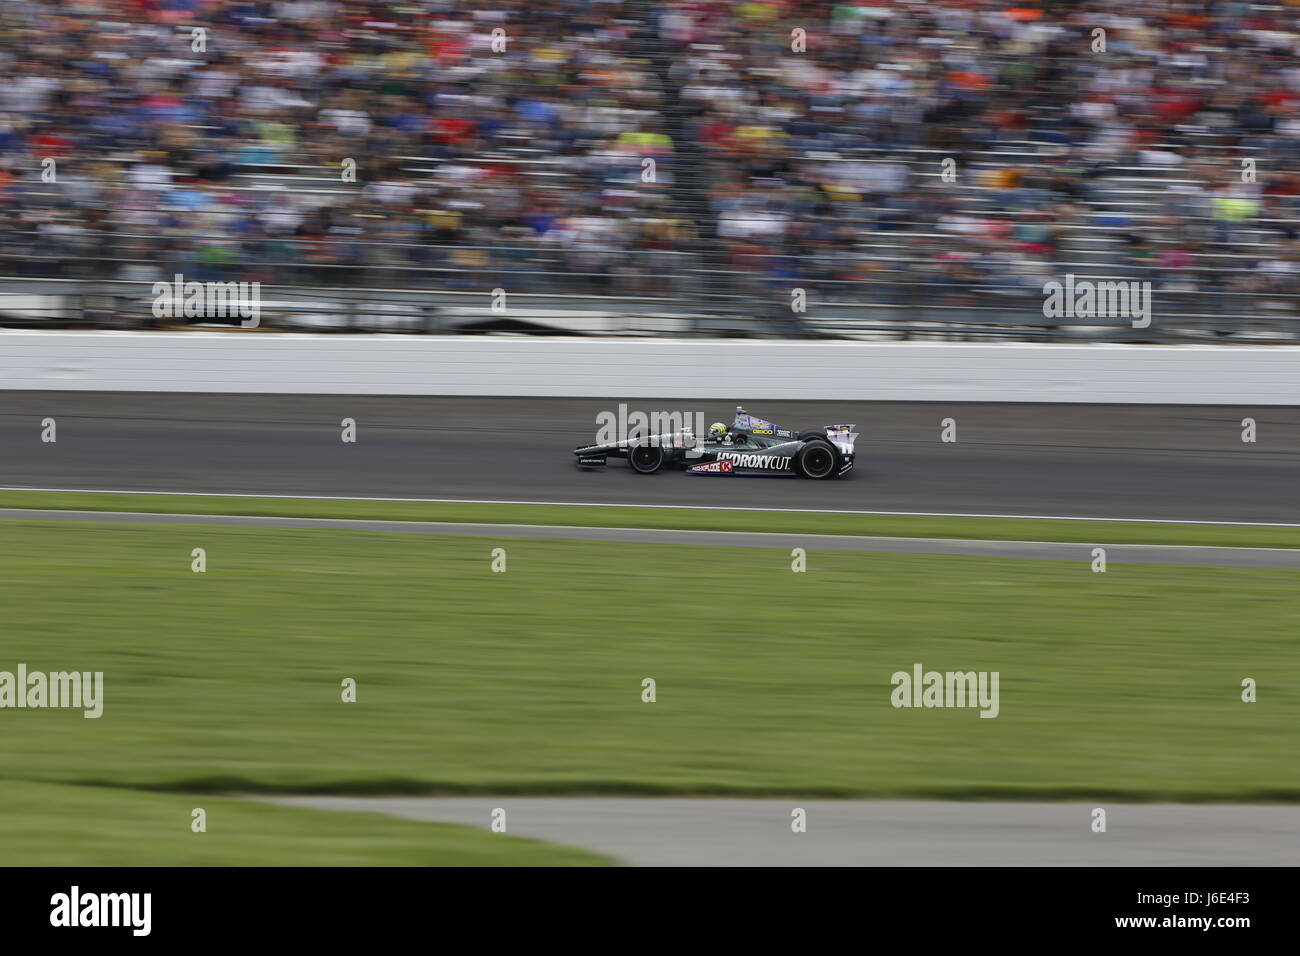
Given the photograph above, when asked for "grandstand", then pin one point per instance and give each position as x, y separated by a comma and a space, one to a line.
917, 169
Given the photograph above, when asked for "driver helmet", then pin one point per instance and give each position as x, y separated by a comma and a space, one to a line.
717, 430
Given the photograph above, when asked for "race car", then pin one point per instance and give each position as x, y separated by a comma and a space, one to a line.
751, 447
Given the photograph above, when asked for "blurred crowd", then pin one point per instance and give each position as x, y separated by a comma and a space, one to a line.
950, 150
977, 148
332, 142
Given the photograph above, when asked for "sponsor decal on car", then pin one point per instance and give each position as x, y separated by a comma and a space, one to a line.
717, 467
757, 426
775, 462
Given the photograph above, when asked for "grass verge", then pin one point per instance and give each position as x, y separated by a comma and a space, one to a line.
907, 526
1124, 684
52, 825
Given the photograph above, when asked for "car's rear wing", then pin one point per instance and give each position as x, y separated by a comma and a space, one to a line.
842, 437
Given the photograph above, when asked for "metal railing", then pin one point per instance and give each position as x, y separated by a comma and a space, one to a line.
914, 308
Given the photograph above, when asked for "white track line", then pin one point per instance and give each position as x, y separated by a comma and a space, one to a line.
624, 504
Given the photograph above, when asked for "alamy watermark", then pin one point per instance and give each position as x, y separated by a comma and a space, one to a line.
76, 908
179, 299
80, 690
951, 689
1108, 299
676, 429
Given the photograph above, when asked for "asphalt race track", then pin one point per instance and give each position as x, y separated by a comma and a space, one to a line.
1160, 462
729, 832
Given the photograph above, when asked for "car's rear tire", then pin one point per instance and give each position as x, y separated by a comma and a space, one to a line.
645, 459
816, 460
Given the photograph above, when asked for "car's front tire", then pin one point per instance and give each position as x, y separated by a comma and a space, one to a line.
645, 459
816, 460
